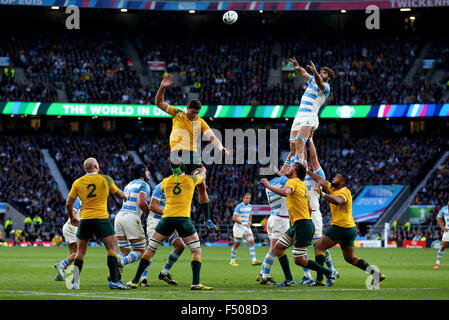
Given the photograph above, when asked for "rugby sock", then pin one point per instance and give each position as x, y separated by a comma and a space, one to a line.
143, 264
283, 260
145, 272
121, 256
233, 253
329, 263
113, 268
64, 263
362, 264
267, 264
77, 267
252, 252
439, 256
131, 257
172, 258
318, 268
196, 268
307, 271
320, 258
205, 208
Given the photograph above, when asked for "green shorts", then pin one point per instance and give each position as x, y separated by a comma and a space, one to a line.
191, 159
302, 232
343, 236
102, 228
168, 225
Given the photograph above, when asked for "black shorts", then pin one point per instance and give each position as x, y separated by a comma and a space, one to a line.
102, 228
168, 225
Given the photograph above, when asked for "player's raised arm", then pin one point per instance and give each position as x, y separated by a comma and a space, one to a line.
302, 72
286, 165
313, 155
160, 102
209, 134
338, 200
319, 179
319, 81
282, 192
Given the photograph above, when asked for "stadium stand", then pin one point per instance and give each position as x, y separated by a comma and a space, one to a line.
26, 182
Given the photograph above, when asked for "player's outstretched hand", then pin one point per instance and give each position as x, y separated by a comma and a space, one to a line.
295, 63
312, 67
167, 81
264, 182
210, 225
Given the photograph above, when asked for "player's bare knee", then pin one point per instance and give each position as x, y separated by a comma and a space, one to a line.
300, 261
179, 246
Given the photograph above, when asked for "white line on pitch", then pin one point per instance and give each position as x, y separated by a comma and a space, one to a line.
80, 294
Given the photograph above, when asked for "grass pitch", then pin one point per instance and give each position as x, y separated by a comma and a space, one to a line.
28, 273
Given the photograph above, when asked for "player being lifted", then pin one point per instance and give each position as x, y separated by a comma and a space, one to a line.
342, 228
242, 219
178, 189
317, 218
443, 222
306, 120
278, 223
187, 128
127, 224
157, 205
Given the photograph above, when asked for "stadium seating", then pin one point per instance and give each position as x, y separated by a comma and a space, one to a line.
26, 181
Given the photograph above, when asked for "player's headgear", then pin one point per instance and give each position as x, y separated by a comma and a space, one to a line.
138, 171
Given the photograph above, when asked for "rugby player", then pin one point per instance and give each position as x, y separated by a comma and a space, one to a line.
302, 228
93, 190
178, 189
306, 120
187, 128
342, 228
242, 219
157, 205
443, 222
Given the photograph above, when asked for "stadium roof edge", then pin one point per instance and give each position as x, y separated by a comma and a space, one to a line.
233, 5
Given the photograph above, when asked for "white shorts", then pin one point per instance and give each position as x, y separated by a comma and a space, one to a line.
69, 232
445, 237
239, 230
317, 219
128, 225
151, 227
277, 226
304, 119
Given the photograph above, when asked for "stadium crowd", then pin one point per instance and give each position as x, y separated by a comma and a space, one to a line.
375, 160
229, 70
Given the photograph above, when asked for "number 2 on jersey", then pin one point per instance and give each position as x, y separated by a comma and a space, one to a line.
91, 193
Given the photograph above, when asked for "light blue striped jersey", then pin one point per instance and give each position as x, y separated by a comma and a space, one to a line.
159, 195
132, 191
243, 212
278, 204
444, 214
313, 98
311, 185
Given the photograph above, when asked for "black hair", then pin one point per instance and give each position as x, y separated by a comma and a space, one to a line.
138, 171
345, 178
301, 171
194, 104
